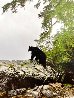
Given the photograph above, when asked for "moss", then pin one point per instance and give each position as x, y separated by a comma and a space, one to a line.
68, 85
10, 65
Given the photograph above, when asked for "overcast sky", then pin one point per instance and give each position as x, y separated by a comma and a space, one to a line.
18, 31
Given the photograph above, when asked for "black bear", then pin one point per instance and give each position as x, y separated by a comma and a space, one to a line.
38, 54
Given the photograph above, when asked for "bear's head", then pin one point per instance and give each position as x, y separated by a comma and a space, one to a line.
30, 48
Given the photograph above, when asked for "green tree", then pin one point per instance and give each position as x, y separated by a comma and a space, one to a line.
14, 4
63, 47
62, 11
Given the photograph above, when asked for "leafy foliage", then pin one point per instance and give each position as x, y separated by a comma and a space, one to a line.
62, 10
14, 4
63, 47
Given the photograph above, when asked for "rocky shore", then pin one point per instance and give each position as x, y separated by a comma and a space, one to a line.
25, 79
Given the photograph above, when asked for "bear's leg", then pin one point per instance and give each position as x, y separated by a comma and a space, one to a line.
31, 60
37, 60
32, 56
43, 62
